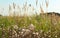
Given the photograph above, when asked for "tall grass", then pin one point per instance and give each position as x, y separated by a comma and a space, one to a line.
46, 26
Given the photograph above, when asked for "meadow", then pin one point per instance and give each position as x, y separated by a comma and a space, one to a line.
43, 25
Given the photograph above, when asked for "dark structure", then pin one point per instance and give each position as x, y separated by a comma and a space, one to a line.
51, 13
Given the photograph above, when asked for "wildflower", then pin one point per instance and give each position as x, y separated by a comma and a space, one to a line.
49, 36
15, 26
18, 35
56, 36
23, 30
30, 18
2, 24
37, 33
0, 28
31, 27
15, 34
41, 31
21, 33
27, 32
49, 30
42, 37
45, 34
33, 32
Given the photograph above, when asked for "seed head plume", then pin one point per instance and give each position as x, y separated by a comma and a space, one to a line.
41, 9
25, 9
10, 10
36, 2
46, 3
14, 5
32, 8
18, 7
9, 7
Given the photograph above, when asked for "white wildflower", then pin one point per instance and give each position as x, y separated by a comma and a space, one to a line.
45, 34
31, 27
23, 30
49, 36
33, 32
41, 31
42, 37
15, 26
37, 33
56, 36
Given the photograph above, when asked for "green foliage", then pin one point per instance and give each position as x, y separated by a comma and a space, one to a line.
40, 23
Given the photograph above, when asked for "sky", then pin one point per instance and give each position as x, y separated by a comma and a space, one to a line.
54, 5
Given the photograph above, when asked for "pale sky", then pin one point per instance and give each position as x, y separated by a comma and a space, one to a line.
54, 5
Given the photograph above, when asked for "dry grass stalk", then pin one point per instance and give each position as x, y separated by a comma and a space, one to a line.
19, 11
41, 9
9, 10
32, 8
14, 9
25, 9
14, 5
36, 2
46, 3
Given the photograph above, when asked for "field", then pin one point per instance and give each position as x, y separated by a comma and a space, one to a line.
45, 26
42, 25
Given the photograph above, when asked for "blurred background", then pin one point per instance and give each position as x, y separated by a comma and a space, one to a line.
53, 6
